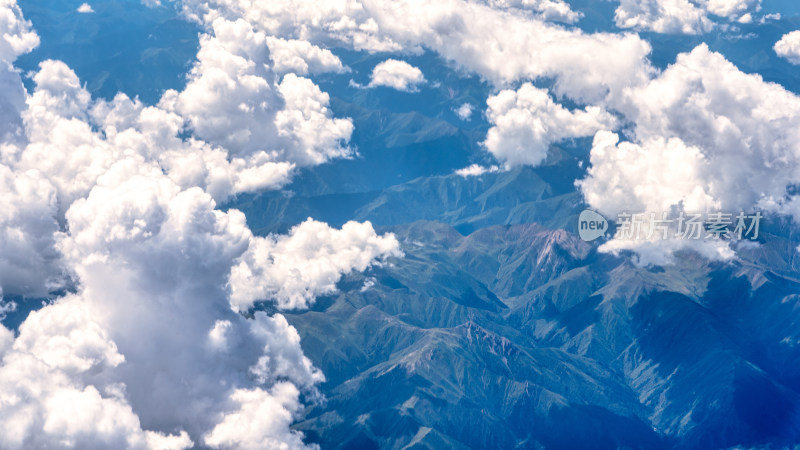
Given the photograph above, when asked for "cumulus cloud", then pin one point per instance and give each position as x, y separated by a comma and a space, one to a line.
706, 137
681, 16
526, 121
789, 47
150, 257
464, 112
293, 270
659, 174
30, 264
311, 136
396, 74
347, 23
301, 57
18, 36
476, 170
106, 196
504, 42
233, 100
85, 8
500, 44
654, 177
745, 126
499, 40
256, 412
732, 9
48, 403
663, 16
556, 10
60, 142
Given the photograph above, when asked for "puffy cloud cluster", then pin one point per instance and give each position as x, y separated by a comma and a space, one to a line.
47, 401
233, 100
301, 57
682, 16
104, 368
526, 121
345, 22
747, 128
656, 176
498, 43
293, 270
706, 137
30, 264
699, 109
396, 74
556, 10
106, 197
502, 41
653, 176
733, 9
789, 47
18, 37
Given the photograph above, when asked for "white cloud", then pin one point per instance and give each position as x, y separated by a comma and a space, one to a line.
653, 177
85, 8
48, 402
789, 47
526, 121
464, 112
648, 177
663, 16
501, 45
108, 193
232, 100
706, 137
60, 142
747, 128
292, 270
476, 170
255, 425
153, 133
556, 10
145, 251
396, 74
682, 16
18, 37
311, 136
732, 9
301, 57
30, 264
345, 22
6, 306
